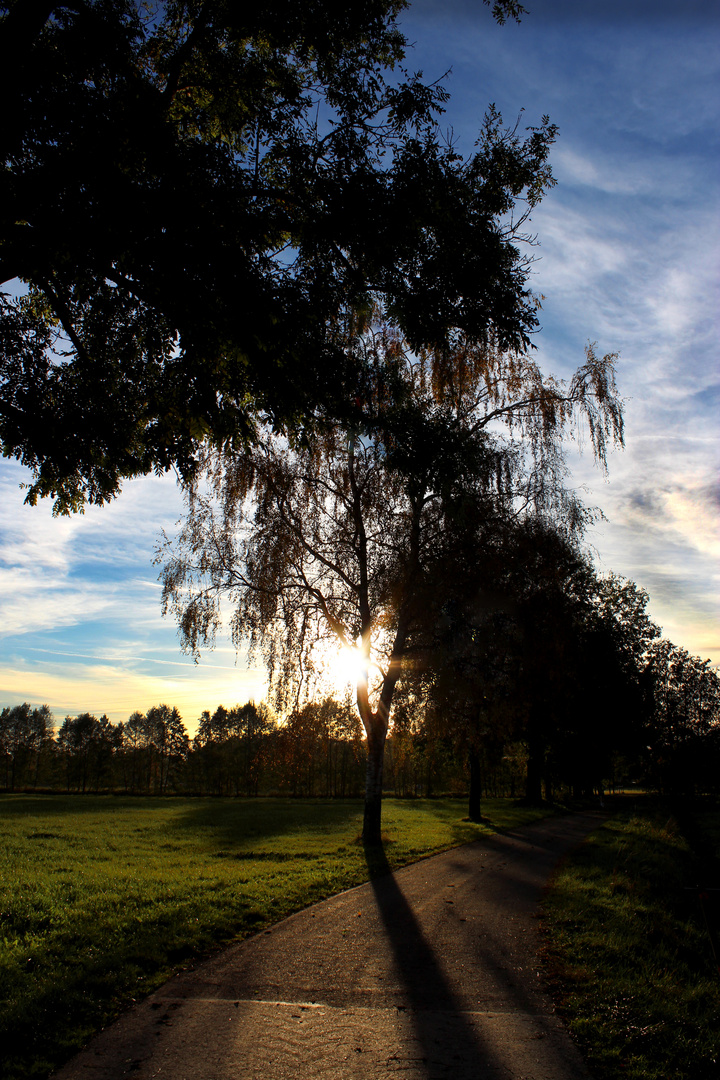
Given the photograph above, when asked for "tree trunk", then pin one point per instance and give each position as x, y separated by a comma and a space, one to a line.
535, 763
549, 792
373, 786
475, 787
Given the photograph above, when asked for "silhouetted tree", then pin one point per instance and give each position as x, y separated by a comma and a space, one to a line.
231, 747
25, 735
86, 747
153, 747
196, 194
683, 732
167, 743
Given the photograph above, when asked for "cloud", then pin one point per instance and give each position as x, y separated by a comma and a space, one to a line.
604, 174
80, 617
118, 690
62, 571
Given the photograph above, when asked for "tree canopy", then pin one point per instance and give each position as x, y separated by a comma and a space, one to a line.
198, 195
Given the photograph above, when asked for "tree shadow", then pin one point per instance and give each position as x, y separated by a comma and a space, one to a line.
243, 823
448, 1043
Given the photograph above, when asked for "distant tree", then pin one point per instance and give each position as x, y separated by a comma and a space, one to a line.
154, 745
300, 744
320, 749
25, 734
167, 743
250, 747
684, 720
133, 751
344, 753
231, 748
196, 194
86, 747
344, 541
210, 750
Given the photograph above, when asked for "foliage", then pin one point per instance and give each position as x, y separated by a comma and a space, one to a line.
629, 953
85, 745
231, 749
197, 193
585, 640
101, 899
554, 655
684, 720
25, 734
320, 749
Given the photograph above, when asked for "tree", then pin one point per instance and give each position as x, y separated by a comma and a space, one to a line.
552, 655
606, 712
231, 747
25, 732
318, 749
684, 720
197, 194
167, 742
133, 751
346, 541
87, 745
155, 743
470, 672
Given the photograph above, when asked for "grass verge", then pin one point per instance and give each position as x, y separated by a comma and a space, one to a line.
628, 951
102, 898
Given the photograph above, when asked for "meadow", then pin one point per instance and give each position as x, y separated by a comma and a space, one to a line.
628, 947
102, 898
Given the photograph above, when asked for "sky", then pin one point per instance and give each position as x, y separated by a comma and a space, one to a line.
629, 244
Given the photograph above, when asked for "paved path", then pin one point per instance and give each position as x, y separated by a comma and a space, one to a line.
427, 973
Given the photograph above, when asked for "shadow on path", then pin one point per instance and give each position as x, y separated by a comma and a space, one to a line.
431, 1001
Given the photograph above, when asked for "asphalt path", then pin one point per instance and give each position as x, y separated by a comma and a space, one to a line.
428, 973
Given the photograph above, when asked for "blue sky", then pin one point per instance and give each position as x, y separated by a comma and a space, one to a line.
628, 258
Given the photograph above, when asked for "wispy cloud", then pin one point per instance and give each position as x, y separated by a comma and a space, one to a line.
70, 688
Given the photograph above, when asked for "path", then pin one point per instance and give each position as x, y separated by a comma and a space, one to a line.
427, 973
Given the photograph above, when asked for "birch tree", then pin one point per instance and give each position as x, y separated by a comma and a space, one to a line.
346, 543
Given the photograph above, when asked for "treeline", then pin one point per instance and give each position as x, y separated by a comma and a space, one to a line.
318, 751
645, 715
574, 680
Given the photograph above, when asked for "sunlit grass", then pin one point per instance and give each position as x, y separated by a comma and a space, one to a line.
630, 955
102, 898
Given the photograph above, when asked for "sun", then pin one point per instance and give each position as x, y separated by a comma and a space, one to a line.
348, 666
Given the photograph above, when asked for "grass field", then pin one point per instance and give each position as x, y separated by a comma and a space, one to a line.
102, 898
629, 951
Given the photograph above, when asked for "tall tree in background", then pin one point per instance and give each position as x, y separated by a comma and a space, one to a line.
348, 541
231, 747
196, 194
25, 733
86, 745
683, 730
154, 744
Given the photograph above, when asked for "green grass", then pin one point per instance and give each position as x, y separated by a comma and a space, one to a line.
102, 898
629, 953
